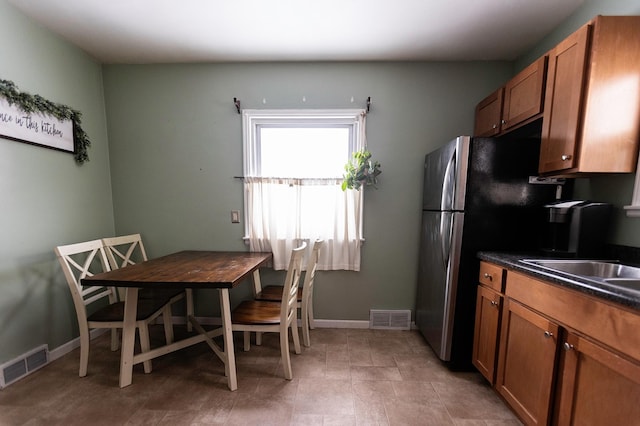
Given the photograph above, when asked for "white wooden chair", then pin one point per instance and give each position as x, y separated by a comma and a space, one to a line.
128, 250
264, 317
87, 259
305, 293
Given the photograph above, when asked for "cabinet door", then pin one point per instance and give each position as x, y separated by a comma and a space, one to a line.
523, 94
563, 100
597, 386
526, 362
485, 340
488, 114
611, 125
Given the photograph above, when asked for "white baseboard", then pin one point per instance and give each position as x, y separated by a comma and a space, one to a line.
75, 343
320, 323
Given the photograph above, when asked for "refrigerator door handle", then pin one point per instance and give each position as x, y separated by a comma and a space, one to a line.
449, 184
446, 232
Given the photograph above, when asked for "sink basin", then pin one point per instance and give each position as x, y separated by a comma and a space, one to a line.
609, 273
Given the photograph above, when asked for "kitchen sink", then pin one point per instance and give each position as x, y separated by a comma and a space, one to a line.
608, 273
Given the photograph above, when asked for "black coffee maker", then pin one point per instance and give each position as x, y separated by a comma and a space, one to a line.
576, 229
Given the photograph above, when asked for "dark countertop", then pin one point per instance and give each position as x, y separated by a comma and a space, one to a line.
512, 262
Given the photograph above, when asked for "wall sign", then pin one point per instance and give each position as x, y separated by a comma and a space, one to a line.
35, 120
35, 128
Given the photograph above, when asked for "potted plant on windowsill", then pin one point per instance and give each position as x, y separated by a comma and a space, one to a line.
362, 171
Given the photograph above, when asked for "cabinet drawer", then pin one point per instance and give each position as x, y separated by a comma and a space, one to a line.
492, 276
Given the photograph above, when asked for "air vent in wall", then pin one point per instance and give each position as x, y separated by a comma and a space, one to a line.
23, 365
390, 320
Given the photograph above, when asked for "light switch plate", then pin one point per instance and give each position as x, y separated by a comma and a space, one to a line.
235, 216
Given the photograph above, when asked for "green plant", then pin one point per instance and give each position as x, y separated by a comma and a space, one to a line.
361, 171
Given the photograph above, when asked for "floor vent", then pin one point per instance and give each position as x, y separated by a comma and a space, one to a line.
23, 365
390, 320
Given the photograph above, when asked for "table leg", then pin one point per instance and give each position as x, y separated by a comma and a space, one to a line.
227, 332
257, 285
128, 336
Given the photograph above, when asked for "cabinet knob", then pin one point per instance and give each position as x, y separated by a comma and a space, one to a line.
494, 303
567, 346
548, 334
566, 157
503, 121
495, 126
488, 276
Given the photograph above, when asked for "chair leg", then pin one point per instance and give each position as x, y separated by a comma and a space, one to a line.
296, 337
189, 295
258, 338
84, 352
247, 340
145, 346
310, 311
284, 351
115, 340
168, 324
305, 326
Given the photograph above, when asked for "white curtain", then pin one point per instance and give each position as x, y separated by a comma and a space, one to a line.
283, 212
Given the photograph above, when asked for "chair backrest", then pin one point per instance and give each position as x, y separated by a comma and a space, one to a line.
289, 305
84, 260
125, 250
312, 265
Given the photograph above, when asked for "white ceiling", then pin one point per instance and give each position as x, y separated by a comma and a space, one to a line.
156, 31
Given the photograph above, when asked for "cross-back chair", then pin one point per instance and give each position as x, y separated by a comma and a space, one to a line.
273, 293
86, 259
128, 250
264, 317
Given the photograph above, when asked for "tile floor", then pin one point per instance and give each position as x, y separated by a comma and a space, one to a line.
347, 377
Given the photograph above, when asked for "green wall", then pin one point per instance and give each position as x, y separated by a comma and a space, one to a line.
46, 198
175, 147
176, 144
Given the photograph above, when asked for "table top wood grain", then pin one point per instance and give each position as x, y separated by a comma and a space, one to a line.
185, 269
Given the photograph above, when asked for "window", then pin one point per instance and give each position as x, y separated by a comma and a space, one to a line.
633, 210
293, 166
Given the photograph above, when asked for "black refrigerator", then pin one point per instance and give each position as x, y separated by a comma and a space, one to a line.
480, 194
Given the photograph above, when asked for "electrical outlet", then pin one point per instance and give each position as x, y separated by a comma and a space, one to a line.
235, 216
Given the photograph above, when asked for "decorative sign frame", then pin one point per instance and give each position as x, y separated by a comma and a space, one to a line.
35, 128
37, 121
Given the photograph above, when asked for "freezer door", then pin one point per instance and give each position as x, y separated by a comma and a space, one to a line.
437, 278
445, 172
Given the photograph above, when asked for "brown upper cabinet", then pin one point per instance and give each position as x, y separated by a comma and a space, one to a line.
489, 114
591, 121
518, 102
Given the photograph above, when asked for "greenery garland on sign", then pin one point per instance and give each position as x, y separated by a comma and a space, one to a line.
30, 104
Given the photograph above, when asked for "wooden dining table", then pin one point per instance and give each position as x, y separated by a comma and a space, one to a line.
186, 269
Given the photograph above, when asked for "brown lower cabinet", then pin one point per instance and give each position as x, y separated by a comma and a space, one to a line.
564, 357
597, 386
527, 362
485, 344
488, 315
